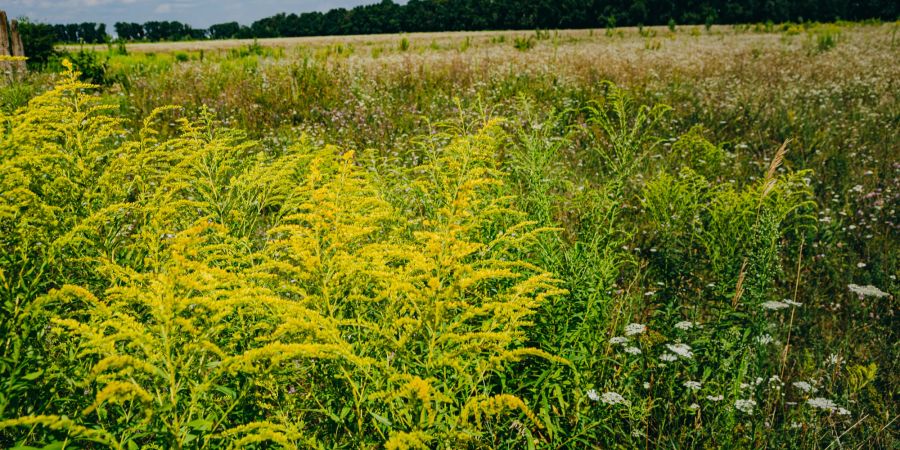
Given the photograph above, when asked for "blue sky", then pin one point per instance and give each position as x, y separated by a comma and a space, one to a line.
199, 13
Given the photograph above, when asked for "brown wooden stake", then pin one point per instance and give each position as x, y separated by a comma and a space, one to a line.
4, 41
17, 48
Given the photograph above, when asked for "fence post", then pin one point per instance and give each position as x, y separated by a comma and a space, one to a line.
17, 48
4, 42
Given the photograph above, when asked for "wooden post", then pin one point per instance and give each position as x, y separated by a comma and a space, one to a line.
17, 48
4, 41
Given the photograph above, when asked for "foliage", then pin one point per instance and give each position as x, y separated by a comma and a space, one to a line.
222, 283
38, 42
598, 269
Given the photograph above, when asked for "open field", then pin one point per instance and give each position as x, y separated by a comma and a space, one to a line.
442, 38
557, 239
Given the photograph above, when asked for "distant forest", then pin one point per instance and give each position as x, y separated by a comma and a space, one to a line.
467, 15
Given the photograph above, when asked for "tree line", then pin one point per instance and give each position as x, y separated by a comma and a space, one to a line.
469, 15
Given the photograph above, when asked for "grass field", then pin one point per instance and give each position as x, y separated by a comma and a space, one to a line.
654, 237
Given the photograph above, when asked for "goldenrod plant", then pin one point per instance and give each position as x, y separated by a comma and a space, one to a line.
235, 298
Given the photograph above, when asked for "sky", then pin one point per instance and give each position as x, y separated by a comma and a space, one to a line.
198, 13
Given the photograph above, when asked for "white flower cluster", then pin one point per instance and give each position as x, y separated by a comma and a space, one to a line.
867, 291
613, 398
693, 385
667, 357
618, 340
773, 305
827, 405
745, 406
684, 325
682, 350
634, 328
804, 386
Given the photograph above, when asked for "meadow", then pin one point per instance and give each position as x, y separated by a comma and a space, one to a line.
655, 237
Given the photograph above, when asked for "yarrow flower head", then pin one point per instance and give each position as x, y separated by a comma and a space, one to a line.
684, 325
716, 398
792, 303
867, 291
613, 398
693, 385
745, 406
593, 395
682, 350
773, 305
827, 405
634, 328
667, 357
632, 350
803, 386
764, 339
618, 340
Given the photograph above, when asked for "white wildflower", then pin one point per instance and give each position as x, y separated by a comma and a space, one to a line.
803, 386
694, 406
637, 434
715, 398
618, 340
745, 406
693, 385
631, 350
843, 412
634, 328
822, 403
646, 385
860, 265
764, 339
684, 325
833, 359
867, 291
593, 395
613, 398
773, 305
792, 303
682, 350
667, 357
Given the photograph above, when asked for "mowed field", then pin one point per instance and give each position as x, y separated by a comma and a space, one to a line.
635, 237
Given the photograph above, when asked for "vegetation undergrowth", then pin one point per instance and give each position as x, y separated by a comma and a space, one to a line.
595, 269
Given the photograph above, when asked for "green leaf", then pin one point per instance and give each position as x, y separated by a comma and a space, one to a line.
383, 420
199, 424
33, 376
229, 392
